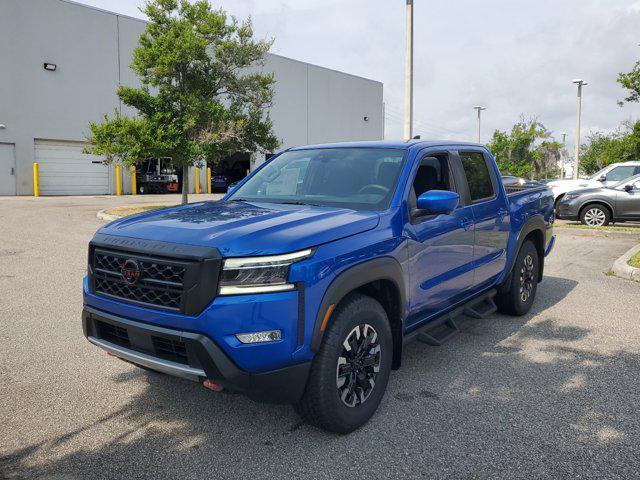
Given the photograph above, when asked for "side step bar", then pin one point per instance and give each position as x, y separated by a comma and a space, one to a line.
443, 328
440, 334
481, 309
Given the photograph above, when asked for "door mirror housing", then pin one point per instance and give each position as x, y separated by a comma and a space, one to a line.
603, 178
628, 188
435, 202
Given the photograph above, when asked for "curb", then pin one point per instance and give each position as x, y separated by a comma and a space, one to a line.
622, 269
102, 215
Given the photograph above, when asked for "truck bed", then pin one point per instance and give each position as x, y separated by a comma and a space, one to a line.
513, 189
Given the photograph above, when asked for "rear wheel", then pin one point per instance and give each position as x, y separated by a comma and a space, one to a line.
524, 282
595, 216
350, 372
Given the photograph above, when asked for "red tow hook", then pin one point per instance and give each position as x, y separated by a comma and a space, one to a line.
211, 385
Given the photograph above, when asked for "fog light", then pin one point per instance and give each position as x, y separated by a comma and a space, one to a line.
260, 337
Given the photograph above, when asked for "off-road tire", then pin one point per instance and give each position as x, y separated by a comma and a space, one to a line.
517, 300
321, 404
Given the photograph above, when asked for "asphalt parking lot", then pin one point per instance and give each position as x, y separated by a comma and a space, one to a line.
554, 394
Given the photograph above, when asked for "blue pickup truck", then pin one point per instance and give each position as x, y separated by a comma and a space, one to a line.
304, 283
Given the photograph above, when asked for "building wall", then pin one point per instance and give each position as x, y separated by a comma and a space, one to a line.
93, 50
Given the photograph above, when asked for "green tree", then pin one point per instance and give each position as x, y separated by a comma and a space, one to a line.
631, 82
603, 149
202, 96
527, 150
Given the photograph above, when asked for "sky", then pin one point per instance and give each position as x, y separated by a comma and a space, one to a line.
514, 57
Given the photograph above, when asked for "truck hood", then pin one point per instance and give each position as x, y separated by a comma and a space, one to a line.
243, 228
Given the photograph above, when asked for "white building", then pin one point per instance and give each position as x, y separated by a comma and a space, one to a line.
61, 64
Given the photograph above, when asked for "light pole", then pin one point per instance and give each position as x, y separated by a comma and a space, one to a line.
408, 76
564, 137
576, 149
479, 108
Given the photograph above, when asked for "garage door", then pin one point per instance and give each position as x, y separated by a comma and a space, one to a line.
65, 170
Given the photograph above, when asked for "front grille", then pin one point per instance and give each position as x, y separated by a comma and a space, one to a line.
160, 282
169, 299
113, 334
160, 275
170, 349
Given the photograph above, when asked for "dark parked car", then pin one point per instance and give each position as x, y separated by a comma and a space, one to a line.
597, 207
219, 183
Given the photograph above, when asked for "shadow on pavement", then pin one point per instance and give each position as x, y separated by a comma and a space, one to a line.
509, 397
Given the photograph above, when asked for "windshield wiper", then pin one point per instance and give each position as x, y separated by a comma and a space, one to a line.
301, 203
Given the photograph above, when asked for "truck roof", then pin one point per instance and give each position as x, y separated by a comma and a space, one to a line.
403, 144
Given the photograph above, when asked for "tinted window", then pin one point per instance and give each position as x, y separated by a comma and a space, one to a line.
432, 174
478, 177
358, 178
620, 173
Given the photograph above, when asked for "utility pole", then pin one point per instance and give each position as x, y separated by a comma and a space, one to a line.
576, 148
564, 136
408, 76
479, 108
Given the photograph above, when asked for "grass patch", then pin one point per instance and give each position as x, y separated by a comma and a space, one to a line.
635, 261
608, 228
135, 209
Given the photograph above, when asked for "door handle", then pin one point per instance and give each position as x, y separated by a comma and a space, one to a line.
466, 224
13, 171
502, 213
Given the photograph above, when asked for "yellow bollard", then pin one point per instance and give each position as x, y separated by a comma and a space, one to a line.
118, 181
134, 186
208, 180
197, 180
36, 180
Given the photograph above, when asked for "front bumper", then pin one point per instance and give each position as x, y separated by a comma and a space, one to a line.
568, 210
189, 355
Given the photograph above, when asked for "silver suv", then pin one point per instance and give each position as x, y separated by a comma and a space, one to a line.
597, 207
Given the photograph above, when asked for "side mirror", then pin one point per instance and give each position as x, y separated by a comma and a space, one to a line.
435, 202
603, 178
628, 188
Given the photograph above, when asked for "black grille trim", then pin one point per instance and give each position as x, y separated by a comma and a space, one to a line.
179, 285
170, 349
113, 334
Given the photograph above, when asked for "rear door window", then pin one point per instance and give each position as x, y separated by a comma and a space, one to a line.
478, 175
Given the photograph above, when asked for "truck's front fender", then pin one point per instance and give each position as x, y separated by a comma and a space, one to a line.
385, 268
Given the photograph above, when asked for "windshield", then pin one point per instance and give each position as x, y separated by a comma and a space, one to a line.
356, 178
598, 174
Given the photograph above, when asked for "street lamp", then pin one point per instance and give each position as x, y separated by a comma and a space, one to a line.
576, 149
408, 76
479, 108
564, 137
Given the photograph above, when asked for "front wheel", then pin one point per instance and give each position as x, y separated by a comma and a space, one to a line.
595, 216
350, 372
524, 282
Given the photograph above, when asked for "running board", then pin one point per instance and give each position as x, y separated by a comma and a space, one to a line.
440, 334
482, 309
440, 330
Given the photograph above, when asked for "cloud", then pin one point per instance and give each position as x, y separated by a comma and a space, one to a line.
514, 57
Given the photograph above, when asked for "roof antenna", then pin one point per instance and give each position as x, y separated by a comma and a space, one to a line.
417, 137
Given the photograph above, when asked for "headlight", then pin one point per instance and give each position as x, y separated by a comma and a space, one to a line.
259, 274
